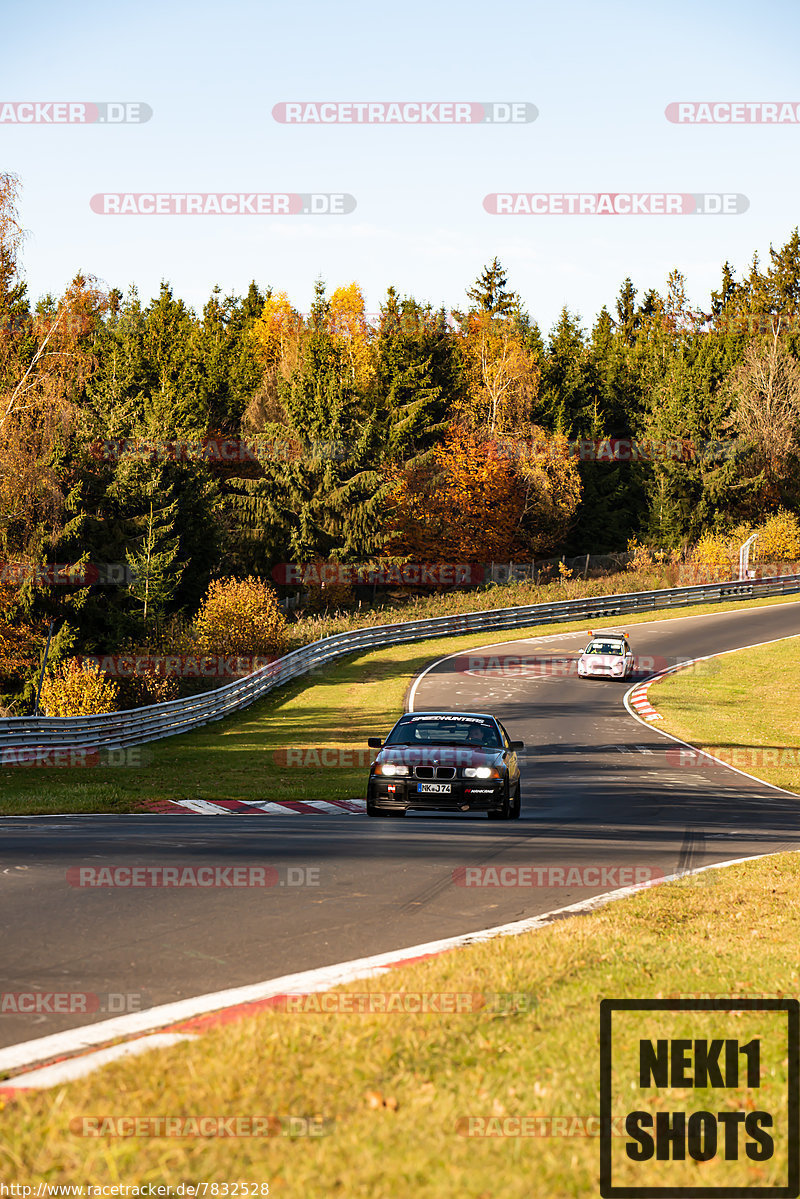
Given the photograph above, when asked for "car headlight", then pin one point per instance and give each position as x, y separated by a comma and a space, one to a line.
481, 772
391, 769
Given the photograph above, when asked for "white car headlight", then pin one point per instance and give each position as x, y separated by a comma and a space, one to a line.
479, 772
391, 769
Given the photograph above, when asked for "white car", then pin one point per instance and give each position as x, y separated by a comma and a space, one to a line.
608, 655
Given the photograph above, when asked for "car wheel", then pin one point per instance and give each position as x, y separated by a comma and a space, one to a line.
505, 812
516, 804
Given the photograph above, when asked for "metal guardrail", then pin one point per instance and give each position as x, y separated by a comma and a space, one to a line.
139, 725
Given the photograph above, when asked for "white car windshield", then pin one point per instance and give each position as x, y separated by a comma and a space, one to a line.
605, 647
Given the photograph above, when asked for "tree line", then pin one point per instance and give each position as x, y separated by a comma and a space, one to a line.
188, 446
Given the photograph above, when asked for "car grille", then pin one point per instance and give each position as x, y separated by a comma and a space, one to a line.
435, 772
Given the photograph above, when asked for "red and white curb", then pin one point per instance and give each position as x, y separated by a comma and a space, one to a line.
259, 807
639, 701
65, 1056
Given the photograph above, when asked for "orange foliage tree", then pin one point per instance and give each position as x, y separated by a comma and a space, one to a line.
479, 499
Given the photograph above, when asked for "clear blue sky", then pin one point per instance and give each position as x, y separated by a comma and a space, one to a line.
600, 75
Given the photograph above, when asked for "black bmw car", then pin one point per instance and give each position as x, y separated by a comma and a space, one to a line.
448, 762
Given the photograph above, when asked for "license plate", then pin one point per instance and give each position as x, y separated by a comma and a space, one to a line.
434, 788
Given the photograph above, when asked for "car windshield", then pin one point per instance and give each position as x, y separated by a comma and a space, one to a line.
605, 647
444, 730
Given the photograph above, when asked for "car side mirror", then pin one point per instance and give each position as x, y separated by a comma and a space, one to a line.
517, 744
374, 742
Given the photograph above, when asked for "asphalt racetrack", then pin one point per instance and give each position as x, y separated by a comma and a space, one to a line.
600, 792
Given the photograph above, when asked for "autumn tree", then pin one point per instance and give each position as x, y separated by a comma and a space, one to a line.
76, 688
348, 326
502, 375
481, 499
550, 482
276, 340
45, 370
463, 505
240, 616
765, 390
500, 355
778, 538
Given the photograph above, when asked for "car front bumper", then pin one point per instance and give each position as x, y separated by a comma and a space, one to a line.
479, 795
601, 672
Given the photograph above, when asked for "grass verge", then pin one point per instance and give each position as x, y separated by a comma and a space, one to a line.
243, 757
396, 1089
746, 713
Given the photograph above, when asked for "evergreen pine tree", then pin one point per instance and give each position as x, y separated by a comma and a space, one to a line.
490, 292
154, 563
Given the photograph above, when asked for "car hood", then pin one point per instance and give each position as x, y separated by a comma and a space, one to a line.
440, 755
604, 660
